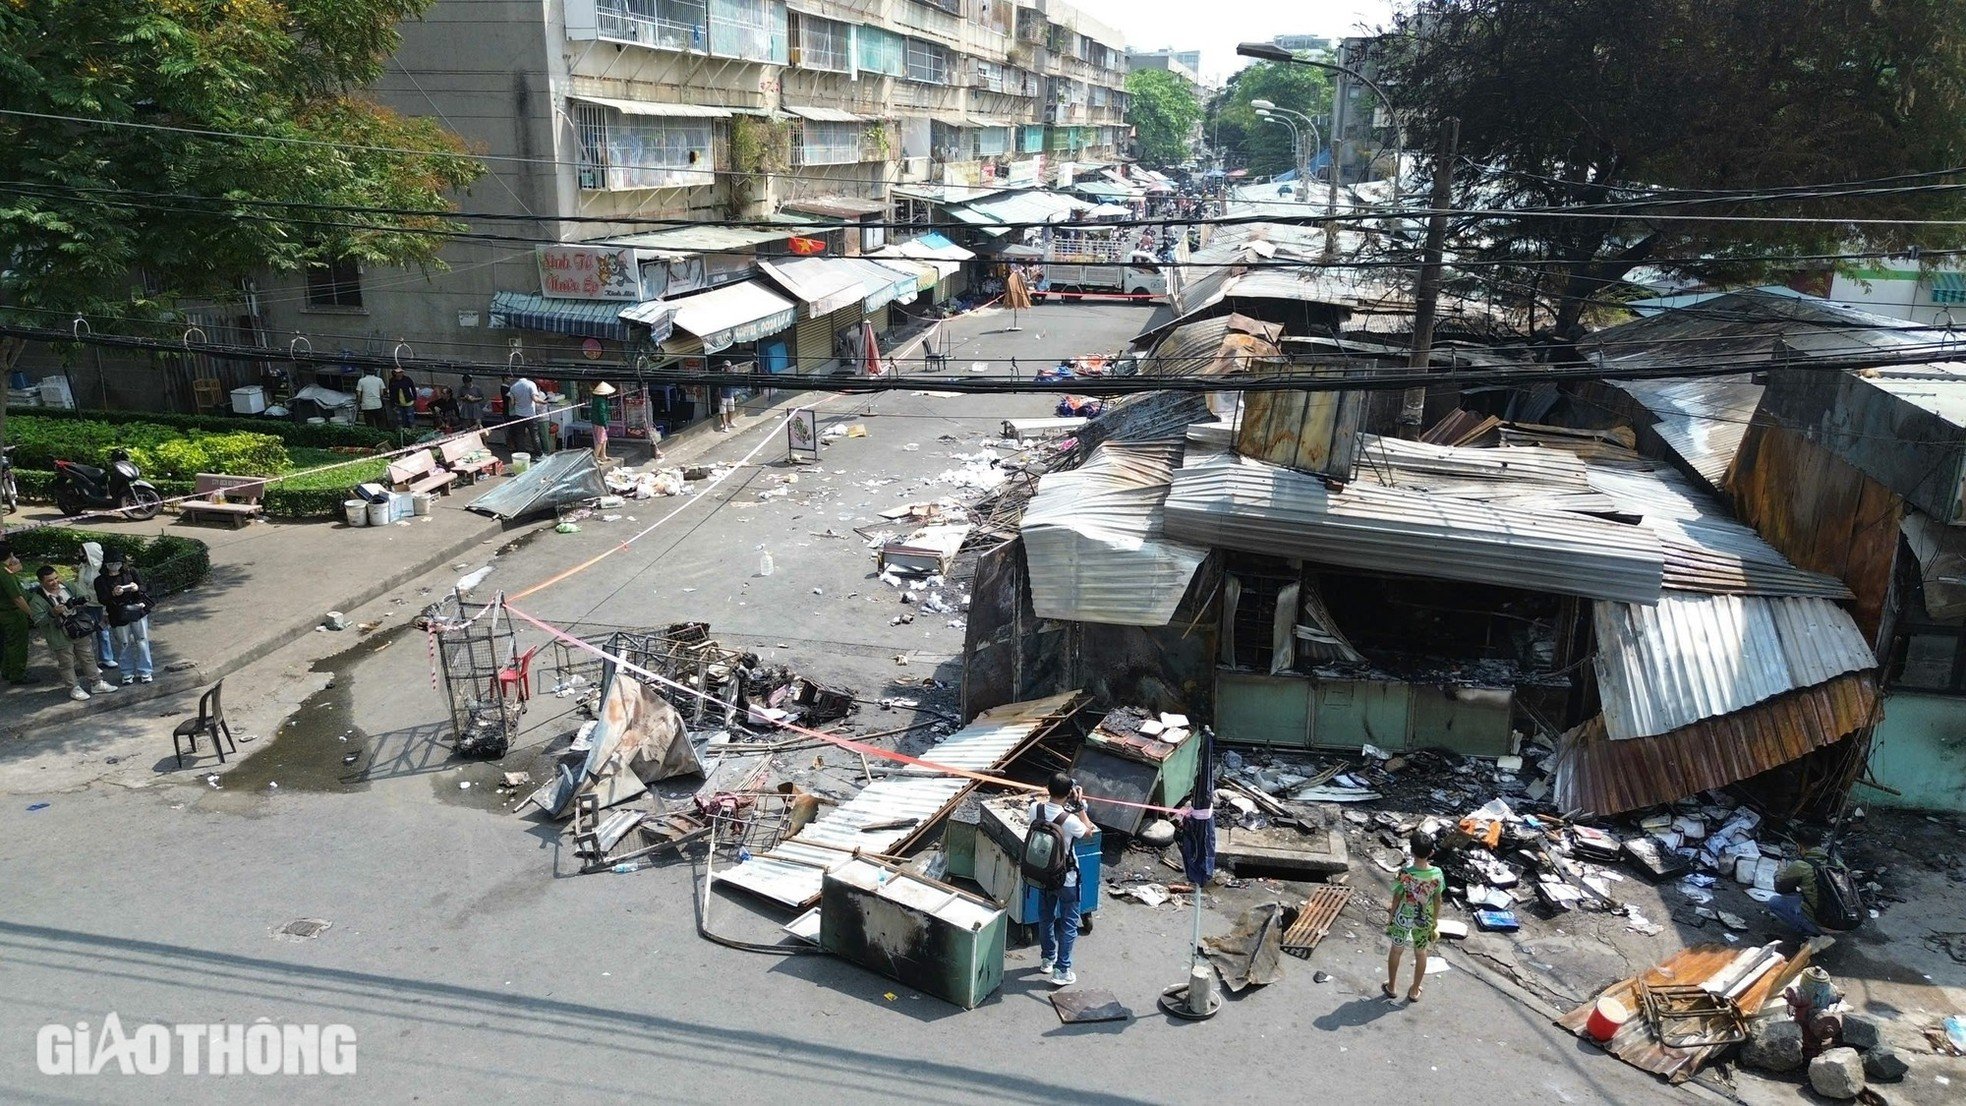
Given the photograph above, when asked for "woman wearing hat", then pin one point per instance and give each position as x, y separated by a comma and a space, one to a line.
598, 413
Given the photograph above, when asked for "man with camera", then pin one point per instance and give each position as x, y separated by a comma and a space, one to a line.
1058, 821
68, 625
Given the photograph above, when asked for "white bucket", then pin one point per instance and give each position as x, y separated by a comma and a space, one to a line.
356, 511
379, 513
521, 462
420, 503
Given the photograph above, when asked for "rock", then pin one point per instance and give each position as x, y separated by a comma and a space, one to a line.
1774, 1044
1861, 1032
1158, 832
1838, 1073
1884, 1065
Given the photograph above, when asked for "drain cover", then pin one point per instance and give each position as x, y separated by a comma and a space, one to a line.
305, 927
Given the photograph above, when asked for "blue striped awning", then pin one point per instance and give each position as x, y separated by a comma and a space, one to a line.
579, 318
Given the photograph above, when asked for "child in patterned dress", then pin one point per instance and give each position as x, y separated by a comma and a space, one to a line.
1413, 919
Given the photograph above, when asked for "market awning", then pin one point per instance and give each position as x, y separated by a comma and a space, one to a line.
1105, 190
578, 318
881, 284
743, 312
556, 480
823, 284
658, 316
924, 273
825, 115
1953, 284
645, 107
1109, 211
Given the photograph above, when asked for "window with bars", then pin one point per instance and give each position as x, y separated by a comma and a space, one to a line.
992, 141
663, 24
927, 62
882, 52
336, 283
828, 143
1033, 140
750, 30
822, 43
620, 152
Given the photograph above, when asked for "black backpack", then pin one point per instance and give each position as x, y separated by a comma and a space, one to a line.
1047, 856
1838, 906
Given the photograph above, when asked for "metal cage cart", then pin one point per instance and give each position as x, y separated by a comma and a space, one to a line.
486, 679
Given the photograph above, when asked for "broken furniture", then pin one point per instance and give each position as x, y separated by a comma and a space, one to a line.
604, 840
1003, 824
514, 681
210, 720
469, 457
927, 551
928, 935
420, 472
235, 499
1137, 758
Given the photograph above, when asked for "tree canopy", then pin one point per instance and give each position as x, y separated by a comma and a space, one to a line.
123, 221
1246, 140
1692, 126
1163, 110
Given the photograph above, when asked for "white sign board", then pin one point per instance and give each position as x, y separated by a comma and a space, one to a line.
588, 273
802, 435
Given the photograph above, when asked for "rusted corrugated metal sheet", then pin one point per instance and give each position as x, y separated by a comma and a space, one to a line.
1212, 347
1599, 776
1821, 513
1691, 657
1311, 431
1537, 479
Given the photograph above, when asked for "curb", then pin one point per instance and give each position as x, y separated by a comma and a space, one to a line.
213, 669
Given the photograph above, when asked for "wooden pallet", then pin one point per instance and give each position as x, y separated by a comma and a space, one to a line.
1315, 919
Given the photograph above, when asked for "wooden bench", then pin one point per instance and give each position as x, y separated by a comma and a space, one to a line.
467, 455
234, 498
420, 472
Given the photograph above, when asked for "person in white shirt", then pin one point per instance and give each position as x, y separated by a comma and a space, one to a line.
1058, 909
522, 397
368, 399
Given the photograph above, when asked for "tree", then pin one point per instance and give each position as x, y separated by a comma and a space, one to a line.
1163, 110
126, 221
1264, 148
1658, 112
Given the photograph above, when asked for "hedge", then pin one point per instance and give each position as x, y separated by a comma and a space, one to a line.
160, 451
316, 495
169, 563
319, 435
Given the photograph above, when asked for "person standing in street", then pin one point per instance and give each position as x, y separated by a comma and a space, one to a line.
598, 412
1058, 907
470, 403
16, 620
69, 629
1413, 920
402, 398
726, 409
368, 399
522, 404
128, 604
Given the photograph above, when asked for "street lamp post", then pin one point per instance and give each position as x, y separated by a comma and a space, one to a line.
1296, 143
1317, 140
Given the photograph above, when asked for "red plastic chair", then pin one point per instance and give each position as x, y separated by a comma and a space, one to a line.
515, 677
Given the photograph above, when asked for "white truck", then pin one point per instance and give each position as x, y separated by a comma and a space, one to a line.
1101, 263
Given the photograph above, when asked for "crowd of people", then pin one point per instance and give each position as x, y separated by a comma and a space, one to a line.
96, 625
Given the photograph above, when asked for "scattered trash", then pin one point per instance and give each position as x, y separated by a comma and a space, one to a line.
32, 807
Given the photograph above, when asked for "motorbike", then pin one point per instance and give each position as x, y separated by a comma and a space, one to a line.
119, 487
9, 491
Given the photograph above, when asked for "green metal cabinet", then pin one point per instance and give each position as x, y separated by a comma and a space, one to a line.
942, 941
1351, 713
1471, 721
1254, 709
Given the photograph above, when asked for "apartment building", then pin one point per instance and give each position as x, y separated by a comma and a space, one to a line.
622, 138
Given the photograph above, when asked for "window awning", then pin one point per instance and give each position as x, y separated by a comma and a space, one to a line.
825, 115
1949, 281
646, 107
743, 312
577, 318
988, 122
823, 284
881, 284
658, 316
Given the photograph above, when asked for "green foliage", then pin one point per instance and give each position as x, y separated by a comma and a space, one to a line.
320, 495
160, 451
85, 207
318, 435
1244, 138
169, 563
1163, 109
1680, 104
758, 146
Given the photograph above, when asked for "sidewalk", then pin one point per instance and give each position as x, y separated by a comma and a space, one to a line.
271, 583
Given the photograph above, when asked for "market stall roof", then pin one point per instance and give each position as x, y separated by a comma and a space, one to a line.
706, 238
1105, 190
569, 476
881, 284
669, 110
947, 260
925, 273
578, 318
1104, 211
742, 312
1027, 207
1095, 542
825, 115
836, 207
823, 284
658, 315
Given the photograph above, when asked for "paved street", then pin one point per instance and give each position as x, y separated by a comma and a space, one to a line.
476, 966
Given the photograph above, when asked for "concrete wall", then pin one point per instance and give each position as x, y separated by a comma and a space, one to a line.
1920, 750
1895, 293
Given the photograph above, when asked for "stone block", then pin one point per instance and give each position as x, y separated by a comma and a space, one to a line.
1838, 1073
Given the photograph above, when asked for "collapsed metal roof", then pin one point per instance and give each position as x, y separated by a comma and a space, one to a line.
555, 480
1691, 657
1096, 544
1258, 508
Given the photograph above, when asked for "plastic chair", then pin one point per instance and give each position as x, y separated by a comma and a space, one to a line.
515, 677
210, 720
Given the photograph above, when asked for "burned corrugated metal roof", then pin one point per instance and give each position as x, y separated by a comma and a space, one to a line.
793, 871
1690, 657
1703, 421
1543, 479
1213, 346
1095, 543
1241, 504
1599, 776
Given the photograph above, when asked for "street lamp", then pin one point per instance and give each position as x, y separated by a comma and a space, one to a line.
1297, 149
1266, 51
1304, 171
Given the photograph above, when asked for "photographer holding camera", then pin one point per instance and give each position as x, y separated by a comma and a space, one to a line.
68, 624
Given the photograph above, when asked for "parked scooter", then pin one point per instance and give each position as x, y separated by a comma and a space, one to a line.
9, 492
120, 487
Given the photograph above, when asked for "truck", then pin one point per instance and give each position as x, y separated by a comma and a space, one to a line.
1099, 261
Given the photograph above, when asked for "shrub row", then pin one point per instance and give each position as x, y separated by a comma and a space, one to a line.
317, 495
160, 451
169, 563
325, 435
